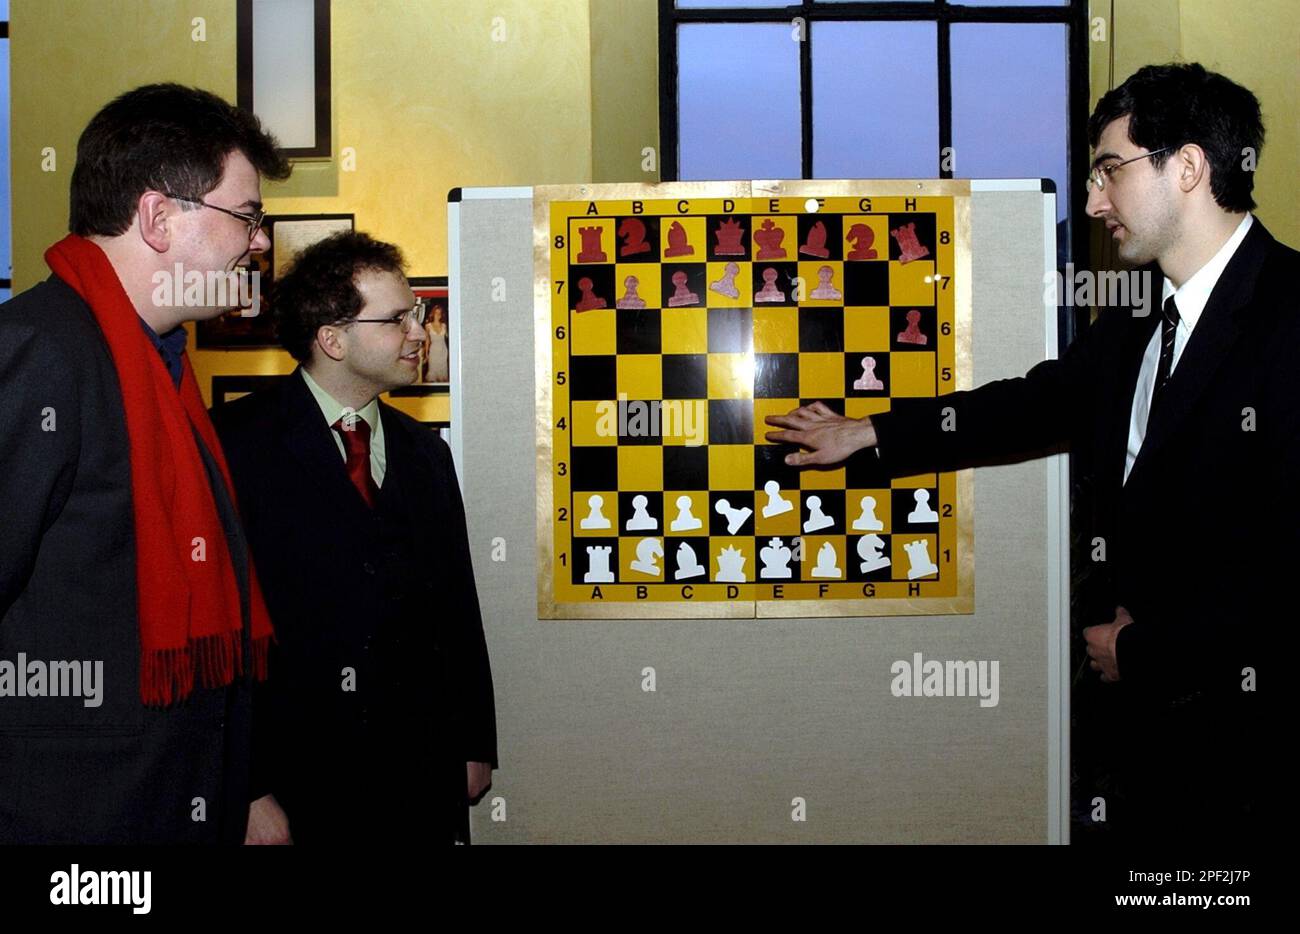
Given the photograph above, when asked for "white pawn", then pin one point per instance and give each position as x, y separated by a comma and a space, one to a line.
685, 522
641, 520
869, 548
922, 512
594, 518
867, 522
816, 518
827, 562
647, 550
687, 564
776, 503
735, 517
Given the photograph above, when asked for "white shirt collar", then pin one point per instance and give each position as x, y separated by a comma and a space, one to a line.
332, 409
1193, 295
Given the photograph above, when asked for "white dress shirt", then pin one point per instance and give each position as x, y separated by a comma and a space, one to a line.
1190, 298
332, 409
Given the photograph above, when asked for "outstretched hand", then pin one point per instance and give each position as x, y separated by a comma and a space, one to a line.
828, 436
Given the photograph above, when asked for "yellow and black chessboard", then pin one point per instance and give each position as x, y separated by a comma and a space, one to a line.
673, 325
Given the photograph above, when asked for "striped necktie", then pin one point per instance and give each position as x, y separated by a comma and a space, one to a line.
1168, 328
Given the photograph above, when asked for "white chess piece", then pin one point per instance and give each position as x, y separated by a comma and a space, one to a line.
685, 522
731, 566
776, 561
598, 571
827, 562
641, 520
918, 557
594, 519
869, 548
727, 284
816, 518
735, 517
867, 382
687, 564
776, 503
922, 513
647, 550
867, 521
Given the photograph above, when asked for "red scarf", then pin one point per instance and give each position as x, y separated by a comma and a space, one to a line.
189, 612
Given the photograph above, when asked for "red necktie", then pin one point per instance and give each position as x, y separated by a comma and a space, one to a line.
356, 448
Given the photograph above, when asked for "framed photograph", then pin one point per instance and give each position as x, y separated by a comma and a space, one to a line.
435, 372
226, 389
282, 66
290, 234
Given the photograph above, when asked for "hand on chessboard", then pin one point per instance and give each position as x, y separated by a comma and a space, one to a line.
828, 436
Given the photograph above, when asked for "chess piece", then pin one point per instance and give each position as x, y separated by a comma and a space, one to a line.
769, 238
769, 292
735, 517
598, 571
589, 300
913, 334
594, 519
630, 297
776, 561
918, 557
727, 284
682, 295
825, 290
862, 237
827, 562
677, 245
685, 522
731, 566
909, 246
776, 503
633, 232
816, 518
729, 234
867, 382
867, 521
869, 548
816, 244
687, 564
922, 513
647, 551
592, 251
641, 520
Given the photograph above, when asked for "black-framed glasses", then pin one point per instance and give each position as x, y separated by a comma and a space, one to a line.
254, 221
1099, 175
416, 313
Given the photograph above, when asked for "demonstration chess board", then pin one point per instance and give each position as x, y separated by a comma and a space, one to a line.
671, 320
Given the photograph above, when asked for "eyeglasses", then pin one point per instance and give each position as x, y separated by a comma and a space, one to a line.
1098, 176
254, 221
415, 314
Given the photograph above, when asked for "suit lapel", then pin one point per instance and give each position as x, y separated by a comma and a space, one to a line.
312, 445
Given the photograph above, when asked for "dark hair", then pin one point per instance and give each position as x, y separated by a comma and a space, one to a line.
320, 287
1171, 105
161, 137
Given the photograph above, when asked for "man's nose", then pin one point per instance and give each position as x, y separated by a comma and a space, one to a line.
1098, 204
261, 242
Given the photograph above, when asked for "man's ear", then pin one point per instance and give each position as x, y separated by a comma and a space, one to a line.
155, 213
1192, 166
329, 339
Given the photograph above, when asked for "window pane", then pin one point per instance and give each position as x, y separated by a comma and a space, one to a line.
1009, 3
738, 101
1010, 88
729, 4
875, 100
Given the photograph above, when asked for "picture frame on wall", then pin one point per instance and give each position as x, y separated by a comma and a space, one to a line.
290, 234
282, 66
435, 360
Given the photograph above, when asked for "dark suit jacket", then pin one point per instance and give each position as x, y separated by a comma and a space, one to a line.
388, 593
1199, 539
116, 773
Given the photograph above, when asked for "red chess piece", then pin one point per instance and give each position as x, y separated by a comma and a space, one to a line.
592, 251
589, 301
677, 245
910, 247
729, 233
913, 334
862, 237
634, 243
769, 238
816, 245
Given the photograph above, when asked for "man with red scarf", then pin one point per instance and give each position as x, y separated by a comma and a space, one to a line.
121, 544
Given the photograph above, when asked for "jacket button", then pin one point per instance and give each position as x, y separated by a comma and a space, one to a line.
368, 568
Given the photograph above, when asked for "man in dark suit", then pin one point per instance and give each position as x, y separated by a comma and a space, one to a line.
378, 719
120, 548
1187, 426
